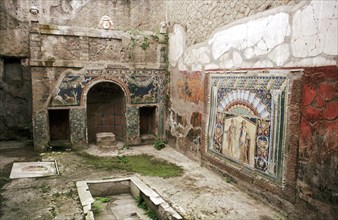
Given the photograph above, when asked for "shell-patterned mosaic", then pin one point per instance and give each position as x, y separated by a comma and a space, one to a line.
246, 119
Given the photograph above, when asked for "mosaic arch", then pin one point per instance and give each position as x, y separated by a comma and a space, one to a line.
246, 119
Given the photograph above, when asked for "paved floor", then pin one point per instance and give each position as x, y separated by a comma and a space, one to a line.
198, 194
202, 194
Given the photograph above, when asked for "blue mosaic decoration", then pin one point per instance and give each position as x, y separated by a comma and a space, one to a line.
246, 120
69, 91
145, 85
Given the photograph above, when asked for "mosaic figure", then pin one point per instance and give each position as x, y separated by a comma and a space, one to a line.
219, 133
231, 137
244, 143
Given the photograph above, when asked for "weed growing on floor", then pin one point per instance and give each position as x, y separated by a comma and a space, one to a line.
122, 159
103, 199
142, 204
143, 164
3, 181
45, 188
159, 143
97, 205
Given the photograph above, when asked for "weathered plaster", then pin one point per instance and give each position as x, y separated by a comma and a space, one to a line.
280, 37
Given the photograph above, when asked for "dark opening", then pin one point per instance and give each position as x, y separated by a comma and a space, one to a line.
147, 120
59, 125
106, 111
12, 70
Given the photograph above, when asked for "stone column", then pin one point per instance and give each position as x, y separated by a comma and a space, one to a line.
77, 121
133, 125
41, 130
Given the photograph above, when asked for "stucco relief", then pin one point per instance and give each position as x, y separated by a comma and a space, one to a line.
105, 23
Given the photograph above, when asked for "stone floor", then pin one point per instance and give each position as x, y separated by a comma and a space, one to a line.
198, 194
122, 206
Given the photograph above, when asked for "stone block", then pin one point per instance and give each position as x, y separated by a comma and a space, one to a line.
106, 140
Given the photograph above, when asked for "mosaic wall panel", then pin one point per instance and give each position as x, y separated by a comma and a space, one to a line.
246, 120
145, 86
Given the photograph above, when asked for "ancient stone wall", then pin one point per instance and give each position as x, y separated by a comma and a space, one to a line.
125, 15
15, 95
66, 62
15, 18
300, 38
201, 18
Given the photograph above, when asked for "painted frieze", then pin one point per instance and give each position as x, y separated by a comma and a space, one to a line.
246, 119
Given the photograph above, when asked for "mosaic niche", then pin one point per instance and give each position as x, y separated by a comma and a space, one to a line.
246, 122
145, 85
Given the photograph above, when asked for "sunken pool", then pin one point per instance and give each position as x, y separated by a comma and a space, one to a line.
120, 198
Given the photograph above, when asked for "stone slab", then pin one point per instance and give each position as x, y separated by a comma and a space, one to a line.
33, 169
106, 140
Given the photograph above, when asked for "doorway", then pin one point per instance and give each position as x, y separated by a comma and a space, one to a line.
106, 111
148, 120
59, 129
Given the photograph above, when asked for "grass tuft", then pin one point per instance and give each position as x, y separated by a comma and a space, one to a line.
143, 164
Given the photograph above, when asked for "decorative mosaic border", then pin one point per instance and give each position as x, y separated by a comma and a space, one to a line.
246, 120
145, 85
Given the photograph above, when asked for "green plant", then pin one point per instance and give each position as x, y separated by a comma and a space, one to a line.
45, 188
159, 143
126, 146
97, 207
103, 199
227, 179
3, 181
53, 211
122, 159
145, 43
56, 195
142, 204
155, 37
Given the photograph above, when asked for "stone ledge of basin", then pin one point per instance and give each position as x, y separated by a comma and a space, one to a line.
169, 211
78, 31
90, 216
155, 198
86, 197
108, 180
144, 188
87, 208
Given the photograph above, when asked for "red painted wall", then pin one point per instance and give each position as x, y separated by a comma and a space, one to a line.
318, 146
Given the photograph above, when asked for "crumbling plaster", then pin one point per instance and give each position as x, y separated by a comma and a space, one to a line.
287, 36
209, 14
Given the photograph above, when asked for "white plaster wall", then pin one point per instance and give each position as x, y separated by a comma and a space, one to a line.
301, 36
